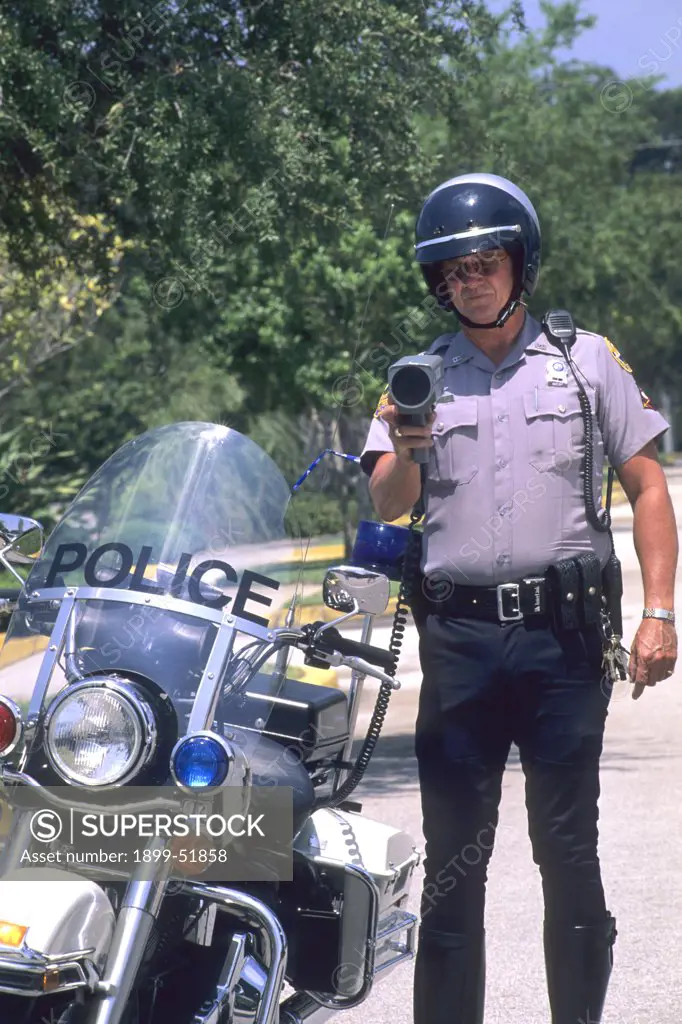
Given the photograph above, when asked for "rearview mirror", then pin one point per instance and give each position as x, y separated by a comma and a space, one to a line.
21, 542
344, 585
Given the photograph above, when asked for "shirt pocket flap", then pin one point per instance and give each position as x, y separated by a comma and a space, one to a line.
463, 412
556, 402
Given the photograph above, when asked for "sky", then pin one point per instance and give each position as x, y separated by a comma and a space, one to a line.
636, 38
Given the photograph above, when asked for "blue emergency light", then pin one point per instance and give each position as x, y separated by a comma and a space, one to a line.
380, 547
201, 761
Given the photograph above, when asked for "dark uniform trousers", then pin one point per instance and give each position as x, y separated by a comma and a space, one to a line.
485, 686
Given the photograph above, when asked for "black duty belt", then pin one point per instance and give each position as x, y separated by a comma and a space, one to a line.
507, 602
569, 594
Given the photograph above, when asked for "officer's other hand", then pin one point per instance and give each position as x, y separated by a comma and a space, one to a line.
653, 654
406, 438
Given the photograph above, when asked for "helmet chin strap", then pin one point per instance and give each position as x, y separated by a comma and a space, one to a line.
510, 307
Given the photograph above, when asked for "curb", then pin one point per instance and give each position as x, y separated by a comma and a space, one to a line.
21, 648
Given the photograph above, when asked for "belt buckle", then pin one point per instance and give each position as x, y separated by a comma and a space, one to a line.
514, 590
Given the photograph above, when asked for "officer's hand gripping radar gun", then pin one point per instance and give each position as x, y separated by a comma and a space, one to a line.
415, 385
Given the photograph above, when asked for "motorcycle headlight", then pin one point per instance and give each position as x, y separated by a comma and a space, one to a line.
101, 732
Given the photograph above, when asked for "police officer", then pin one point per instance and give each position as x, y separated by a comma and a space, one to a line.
510, 647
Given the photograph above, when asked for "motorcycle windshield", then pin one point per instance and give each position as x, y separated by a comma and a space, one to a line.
193, 521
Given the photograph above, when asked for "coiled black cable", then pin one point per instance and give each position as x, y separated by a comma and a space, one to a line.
351, 841
599, 519
410, 568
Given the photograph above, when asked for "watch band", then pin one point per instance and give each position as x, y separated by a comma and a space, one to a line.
658, 613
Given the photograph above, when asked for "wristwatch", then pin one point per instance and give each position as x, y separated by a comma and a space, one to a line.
658, 613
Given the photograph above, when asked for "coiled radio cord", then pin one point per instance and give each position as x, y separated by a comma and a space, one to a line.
600, 519
410, 568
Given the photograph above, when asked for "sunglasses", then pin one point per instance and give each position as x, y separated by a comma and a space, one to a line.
483, 264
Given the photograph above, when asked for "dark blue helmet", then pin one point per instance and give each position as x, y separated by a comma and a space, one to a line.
472, 213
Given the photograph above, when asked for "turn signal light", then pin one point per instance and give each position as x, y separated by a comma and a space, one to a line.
51, 980
9, 727
11, 934
192, 856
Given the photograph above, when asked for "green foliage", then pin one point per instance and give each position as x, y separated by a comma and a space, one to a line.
567, 135
81, 406
49, 310
174, 118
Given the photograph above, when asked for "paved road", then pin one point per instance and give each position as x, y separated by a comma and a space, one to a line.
641, 830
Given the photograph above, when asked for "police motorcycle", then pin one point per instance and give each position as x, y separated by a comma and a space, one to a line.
142, 655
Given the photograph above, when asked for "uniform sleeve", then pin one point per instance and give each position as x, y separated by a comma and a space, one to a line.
378, 441
627, 418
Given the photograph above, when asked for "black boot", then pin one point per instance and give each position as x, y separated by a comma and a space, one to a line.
579, 960
449, 979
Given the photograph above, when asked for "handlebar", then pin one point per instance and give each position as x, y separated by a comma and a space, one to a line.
351, 651
10, 593
355, 649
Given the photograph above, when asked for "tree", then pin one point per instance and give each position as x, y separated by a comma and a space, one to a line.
256, 170
89, 400
187, 122
566, 134
248, 154
46, 312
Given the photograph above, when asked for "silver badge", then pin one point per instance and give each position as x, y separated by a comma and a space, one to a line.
556, 373
446, 396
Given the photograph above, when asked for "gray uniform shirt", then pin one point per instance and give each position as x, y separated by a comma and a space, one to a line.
504, 495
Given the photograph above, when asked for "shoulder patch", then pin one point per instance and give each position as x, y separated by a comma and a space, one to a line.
617, 356
382, 403
646, 401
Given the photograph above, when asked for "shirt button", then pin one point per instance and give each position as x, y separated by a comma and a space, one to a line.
502, 417
501, 463
562, 408
501, 559
505, 508
498, 375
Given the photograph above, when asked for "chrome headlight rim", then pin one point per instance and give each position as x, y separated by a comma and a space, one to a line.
146, 727
19, 718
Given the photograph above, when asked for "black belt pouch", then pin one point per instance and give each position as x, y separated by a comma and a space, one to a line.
576, 588
589, 571
563, 580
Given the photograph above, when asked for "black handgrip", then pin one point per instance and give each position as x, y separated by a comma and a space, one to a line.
10, 593
354, 648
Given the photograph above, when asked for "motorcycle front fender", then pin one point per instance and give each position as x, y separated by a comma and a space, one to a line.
55, 932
